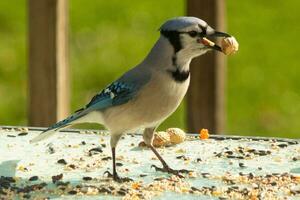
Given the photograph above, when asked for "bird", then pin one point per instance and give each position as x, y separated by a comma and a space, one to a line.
147, 94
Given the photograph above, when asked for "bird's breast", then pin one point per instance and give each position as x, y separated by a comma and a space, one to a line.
153, 104
161, 97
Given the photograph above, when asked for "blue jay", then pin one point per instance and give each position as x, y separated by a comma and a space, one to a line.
147, 94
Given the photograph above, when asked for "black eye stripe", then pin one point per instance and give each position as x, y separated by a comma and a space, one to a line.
173, 37
193, 33
203, 29
190, 33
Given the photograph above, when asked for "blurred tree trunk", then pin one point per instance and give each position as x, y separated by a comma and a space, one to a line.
48, 61
205, 99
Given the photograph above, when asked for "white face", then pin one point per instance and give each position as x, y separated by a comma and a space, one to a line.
191, 46
192, 40
188, 36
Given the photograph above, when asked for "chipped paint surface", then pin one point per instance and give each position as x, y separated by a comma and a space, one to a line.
221, 166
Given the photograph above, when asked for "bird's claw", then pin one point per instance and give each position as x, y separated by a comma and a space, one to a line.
109, 175
117, 178
172, 171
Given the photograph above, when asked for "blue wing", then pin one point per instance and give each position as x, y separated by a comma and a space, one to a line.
121, 91
116, 93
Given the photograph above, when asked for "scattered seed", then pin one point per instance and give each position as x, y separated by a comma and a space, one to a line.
121, 192
72, 166
61, 183
33, 178
282, 145
240, 157
273, 183
87, 178
57, 178
106, 158
104, 190
236, 157
11, 136
251, 176
8, 179
22, 134
219, 155
242, 165
262, 153
72, 192
62, 161
26, 196
292, 142
182, 157
51, 150
195, 189
229, 152
296, 158
95, 150
205, 175
41, 185
111, 187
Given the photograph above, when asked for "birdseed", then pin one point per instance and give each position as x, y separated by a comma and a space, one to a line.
221, 167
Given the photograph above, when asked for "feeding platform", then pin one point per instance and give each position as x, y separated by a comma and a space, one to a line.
71, 165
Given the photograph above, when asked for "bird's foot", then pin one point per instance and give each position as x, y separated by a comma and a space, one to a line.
172, 171
116, 177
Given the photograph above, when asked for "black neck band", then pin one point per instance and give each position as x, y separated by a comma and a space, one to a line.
179, 76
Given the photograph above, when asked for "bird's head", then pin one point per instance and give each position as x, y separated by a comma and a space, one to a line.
190, 36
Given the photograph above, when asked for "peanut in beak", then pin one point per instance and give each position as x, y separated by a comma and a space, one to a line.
207, 42
229, 45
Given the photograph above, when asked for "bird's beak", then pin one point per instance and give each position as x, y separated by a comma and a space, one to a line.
210, 44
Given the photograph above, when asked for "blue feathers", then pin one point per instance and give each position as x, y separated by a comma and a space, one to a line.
115, 94
66, 121
119, 92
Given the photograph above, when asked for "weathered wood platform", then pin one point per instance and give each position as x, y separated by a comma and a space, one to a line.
72, 164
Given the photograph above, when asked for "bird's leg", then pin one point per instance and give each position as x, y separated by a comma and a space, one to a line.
148, 137
166, 167
115, 175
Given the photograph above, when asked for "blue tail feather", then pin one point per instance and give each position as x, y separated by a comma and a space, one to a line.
59, 125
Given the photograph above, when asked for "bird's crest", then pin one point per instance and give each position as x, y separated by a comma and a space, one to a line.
180, 23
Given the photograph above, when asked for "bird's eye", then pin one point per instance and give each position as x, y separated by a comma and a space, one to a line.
193, 33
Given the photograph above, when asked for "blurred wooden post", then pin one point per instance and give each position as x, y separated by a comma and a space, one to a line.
48, 61
205, 99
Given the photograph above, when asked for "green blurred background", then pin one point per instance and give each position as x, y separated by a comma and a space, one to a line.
108, 37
